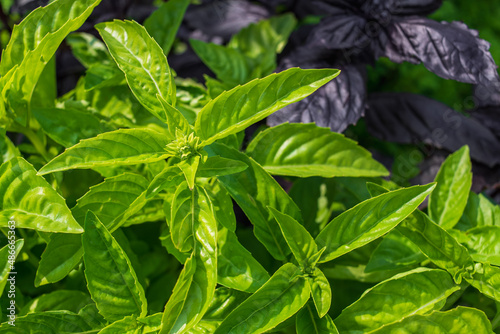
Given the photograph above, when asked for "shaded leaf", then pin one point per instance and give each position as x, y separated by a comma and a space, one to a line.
254, 190
111, 280
336, 105
320, 291
53, 322
70, 300
164, 22
8, 255
429, 121
306, 150
308, 322
218, 166
479, 211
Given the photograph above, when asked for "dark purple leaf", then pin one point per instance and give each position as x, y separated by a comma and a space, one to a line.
326, 7
341, 32
488, 116
408, 7
450, 50
223, 18
336, 105
410, 118
487, 95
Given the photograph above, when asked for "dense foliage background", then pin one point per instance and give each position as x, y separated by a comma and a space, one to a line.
419, 89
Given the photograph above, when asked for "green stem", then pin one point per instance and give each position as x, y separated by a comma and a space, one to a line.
34, 139
496, 321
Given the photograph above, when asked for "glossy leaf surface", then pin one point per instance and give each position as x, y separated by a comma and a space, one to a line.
416, 292
111, 280
454, 179
31, 202
369, 220
281, 297
235, 110
306, 150
120, 147
143, 62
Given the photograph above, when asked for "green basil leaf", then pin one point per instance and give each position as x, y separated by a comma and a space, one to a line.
487, 280
223, 206
369, 220
415, 292
189, 167
175, 119
62, 253
282, 296
483, 244
163, 24
266, 37
308, 322
7, 149
88, 49
454, 179
127, 325
70, 300
254, 190
120, 147
31, 202
32, 45
479, 212
456, 321
297, 237
437, 244
235, 110
195, 286
394, 252
68, 126
307, 150
52, 322
320, 291
143, 62
169, 177
111, 280
8, 255
229, 65
236, 267
185, 208
218, 166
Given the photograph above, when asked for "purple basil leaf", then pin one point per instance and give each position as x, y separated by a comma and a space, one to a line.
487, 95
336, 105
340, 32
488, 116
450, 50
223, 18
409, 7
410, 118
326, 7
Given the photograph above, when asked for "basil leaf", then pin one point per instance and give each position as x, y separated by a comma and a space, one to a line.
52, 322
70, 300
483, 244
308, 322
32, 45
369, 220
7, 148
111, 280
306, 150
282, 296
195, 286
236, 267
455, 321
479, 211
120, 147
68, 126
297, 237
174, 118
127, 325
254, 190
143, 62
163, 24
88, 49
454, 179
423, 290
487, 280
8, 253
31, 202
437, 244
218, 166
320, 291
256, 100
